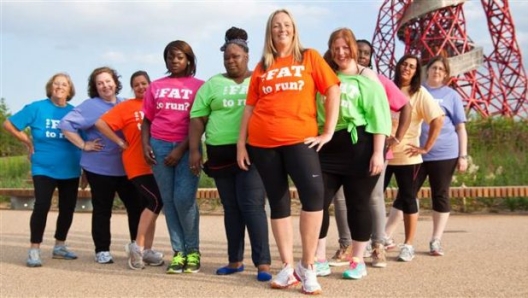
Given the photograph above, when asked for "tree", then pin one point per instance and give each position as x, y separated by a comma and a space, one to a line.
9, 145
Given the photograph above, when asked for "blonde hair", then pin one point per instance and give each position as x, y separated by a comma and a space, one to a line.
49, 85
270, 52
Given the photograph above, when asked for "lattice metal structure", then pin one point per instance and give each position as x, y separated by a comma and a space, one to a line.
490, 84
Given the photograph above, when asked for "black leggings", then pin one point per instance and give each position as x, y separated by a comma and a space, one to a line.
301, 164
440, 173
150, 194
44, 187
103, 189
357, 190
406, 178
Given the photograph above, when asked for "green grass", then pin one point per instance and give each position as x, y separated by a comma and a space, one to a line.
14, 172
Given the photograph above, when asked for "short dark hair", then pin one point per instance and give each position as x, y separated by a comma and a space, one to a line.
444, 61
416, 80
138, 74
92, 87
190, 69
49, 85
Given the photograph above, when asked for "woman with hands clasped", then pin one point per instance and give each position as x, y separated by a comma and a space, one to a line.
101, 160
164, 135
279, 127
54, 164
217, 110
127, 117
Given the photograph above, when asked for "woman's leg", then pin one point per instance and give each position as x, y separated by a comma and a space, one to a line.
103, 190
132, 201
151, 200
332, 183
251, 197
234, 224
44, 187
68, 189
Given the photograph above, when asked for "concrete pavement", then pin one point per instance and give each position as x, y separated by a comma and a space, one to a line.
485, 257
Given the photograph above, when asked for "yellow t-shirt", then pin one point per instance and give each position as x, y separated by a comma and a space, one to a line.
424, 108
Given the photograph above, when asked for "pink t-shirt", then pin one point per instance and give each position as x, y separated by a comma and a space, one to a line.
167, 105
396, 100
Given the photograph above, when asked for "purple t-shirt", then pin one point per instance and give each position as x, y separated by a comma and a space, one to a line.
446, 146
167, 104
82, 119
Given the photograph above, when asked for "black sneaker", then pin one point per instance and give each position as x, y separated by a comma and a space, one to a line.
193, 262
177, 264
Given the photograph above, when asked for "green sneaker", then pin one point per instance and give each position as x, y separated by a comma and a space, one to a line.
177, 264
193, 262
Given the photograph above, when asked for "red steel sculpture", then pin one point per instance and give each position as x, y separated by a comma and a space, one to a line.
492, 84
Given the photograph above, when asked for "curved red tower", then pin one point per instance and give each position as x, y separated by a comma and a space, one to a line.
490, 84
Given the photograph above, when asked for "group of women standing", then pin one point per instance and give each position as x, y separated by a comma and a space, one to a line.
324, 122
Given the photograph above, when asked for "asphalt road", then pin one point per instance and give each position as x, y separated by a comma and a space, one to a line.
485, 257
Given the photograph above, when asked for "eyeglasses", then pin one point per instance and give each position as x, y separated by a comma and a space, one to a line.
439, 68
58, 84
410, 66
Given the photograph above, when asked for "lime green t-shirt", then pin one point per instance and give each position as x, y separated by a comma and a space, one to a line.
363, 103
222, 100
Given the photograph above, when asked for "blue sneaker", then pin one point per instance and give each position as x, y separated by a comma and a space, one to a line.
34, 258
61, 252
226, 270
356, 270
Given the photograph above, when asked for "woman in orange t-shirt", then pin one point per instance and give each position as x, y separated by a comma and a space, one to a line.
279, 124
127, 117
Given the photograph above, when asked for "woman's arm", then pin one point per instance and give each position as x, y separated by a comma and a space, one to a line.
404, 121
377, 161
110, 134
76, 140
148, 154
20, 135
242, 155
435, 126
332, 102
196, 130
462, 147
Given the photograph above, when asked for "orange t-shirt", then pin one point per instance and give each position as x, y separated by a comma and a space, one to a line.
284, 100
127, 116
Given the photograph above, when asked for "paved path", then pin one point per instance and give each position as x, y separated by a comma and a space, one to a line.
485, 257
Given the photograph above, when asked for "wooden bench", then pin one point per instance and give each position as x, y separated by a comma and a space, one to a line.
23, 198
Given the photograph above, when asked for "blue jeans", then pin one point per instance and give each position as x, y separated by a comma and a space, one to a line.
243, 198
178, 186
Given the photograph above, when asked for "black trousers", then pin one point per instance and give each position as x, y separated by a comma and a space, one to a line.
103, 190
44, 187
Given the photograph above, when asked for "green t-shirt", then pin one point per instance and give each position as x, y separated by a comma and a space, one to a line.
222, 100
363, 103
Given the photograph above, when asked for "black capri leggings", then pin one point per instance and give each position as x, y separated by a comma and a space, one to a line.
301, 164
440, 173
150, 194
406, 178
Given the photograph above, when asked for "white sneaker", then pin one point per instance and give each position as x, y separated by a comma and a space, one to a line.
135, 257
308, 278
104, 257
285, 278
152, 257
406, 253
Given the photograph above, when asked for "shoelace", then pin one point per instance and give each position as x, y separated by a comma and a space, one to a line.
178, 259
193, 258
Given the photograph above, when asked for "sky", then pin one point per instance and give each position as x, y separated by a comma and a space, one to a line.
41, 38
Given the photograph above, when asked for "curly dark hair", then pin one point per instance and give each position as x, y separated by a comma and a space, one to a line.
92, 87
236, 36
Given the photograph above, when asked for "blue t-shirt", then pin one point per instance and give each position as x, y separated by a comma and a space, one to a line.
54, 155
446, 146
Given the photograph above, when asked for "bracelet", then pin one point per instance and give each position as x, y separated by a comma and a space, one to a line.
396, 139
463, 156
84, 145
